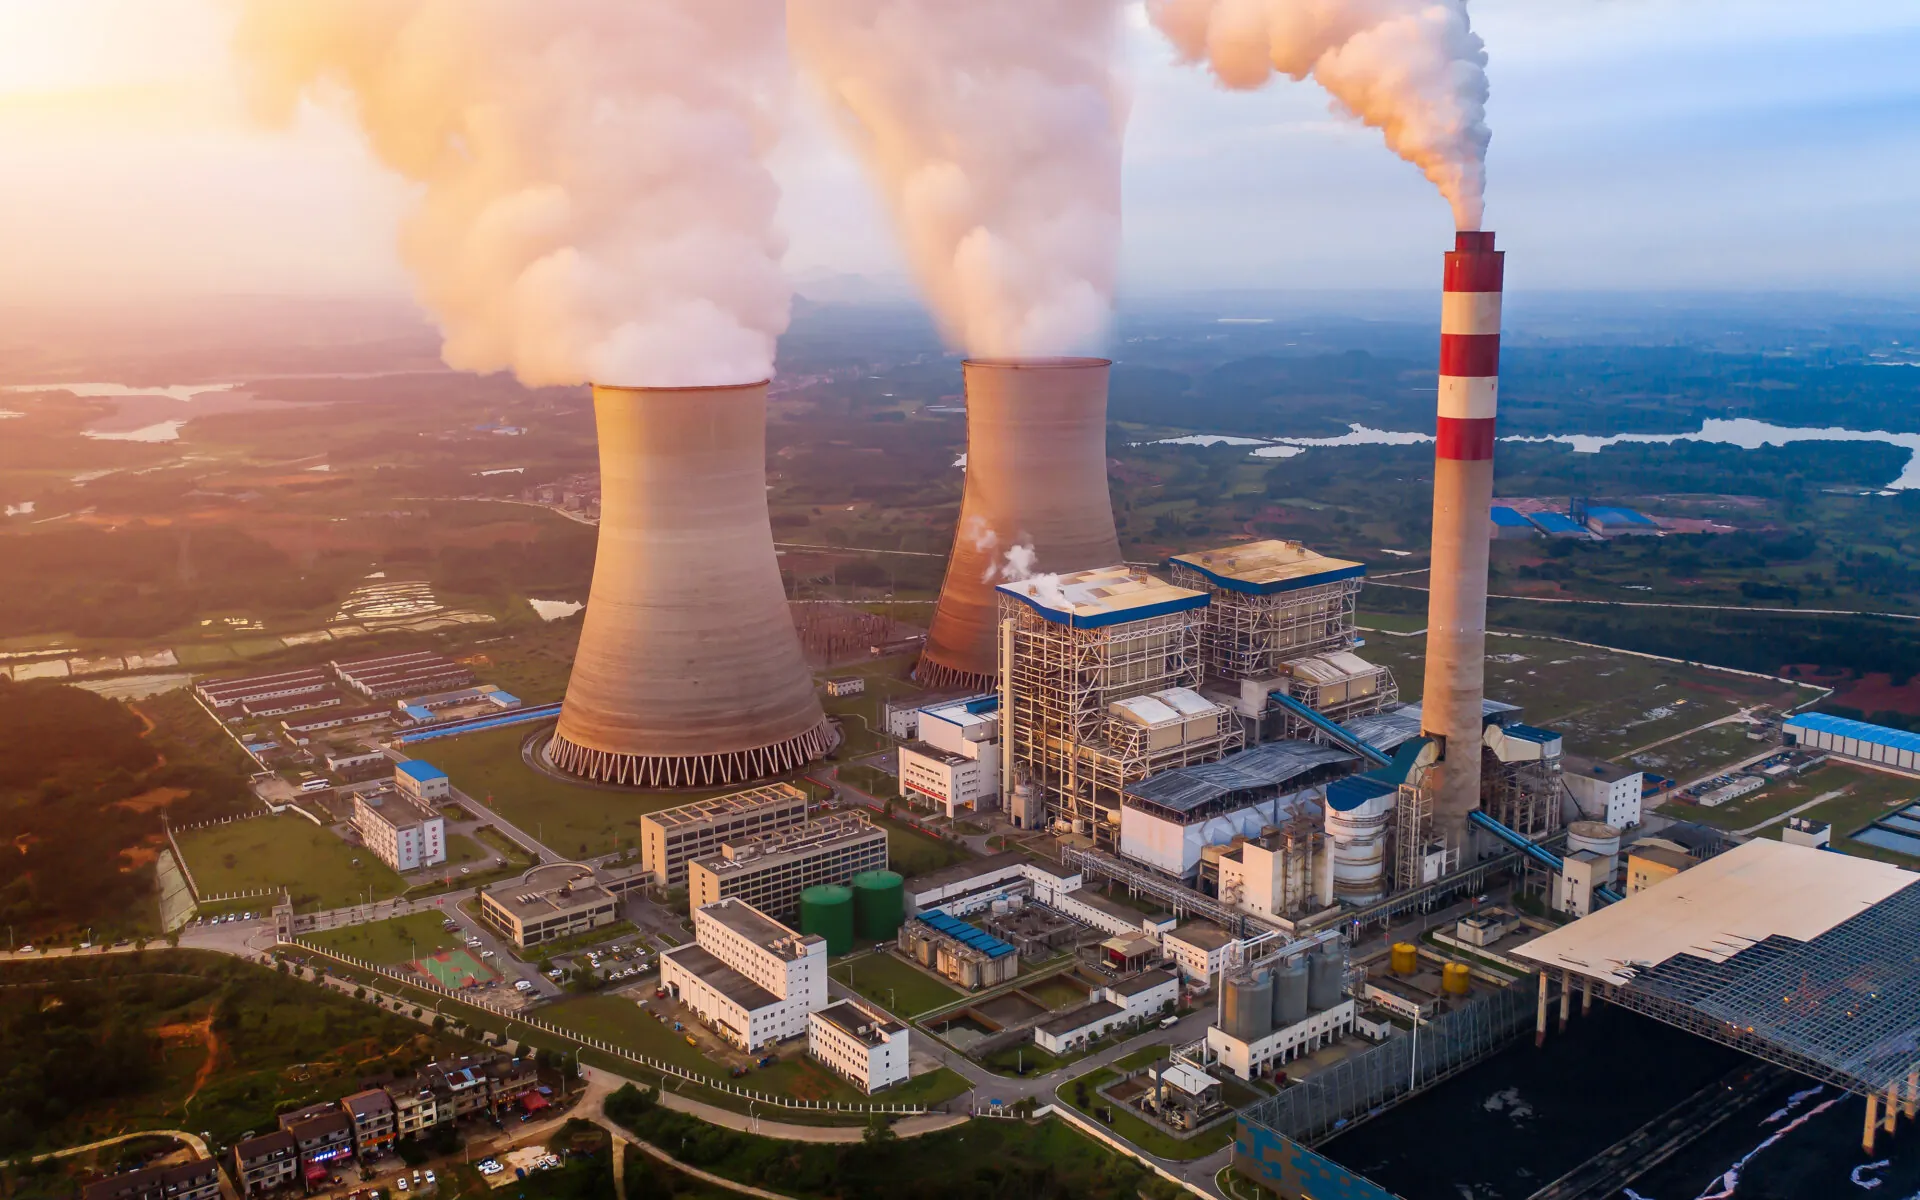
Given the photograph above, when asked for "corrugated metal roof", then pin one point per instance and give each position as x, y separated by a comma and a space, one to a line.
1512, 518
966, 934
1350, 793
1269, 764
1262, 568
1554, 522
1529, 733
1878, 735
1102, 596
1146, 710
1608, 514
420, 770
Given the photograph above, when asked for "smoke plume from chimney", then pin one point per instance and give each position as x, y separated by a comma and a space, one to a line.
593, 201
1414, 69
993, 128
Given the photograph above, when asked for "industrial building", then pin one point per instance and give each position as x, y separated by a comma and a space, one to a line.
970, 957
389, 676
335, 718
954, 760
969, 887
1654, 860
1510, 524
846, 685
1036, 480
421, 781
1272, 602
862, 1045
1199, 949
402, 832
1558, 525
1280, 1007
673, 837
1124, 1002
748, 976
547, 903
689, 672
1604, 791
1856, 740
1610, 521
1522, 784
1098, 692
225, 696
770, 870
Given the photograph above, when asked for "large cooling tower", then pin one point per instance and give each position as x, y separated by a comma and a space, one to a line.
1036, 476
689, 672
1462, 497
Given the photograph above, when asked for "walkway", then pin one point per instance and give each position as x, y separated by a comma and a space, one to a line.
1795, 811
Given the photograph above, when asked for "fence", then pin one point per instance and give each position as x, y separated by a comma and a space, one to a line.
605, 1047
193, 889
1113, 1143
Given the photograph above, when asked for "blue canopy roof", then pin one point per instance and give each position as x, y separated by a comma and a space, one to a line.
966, 934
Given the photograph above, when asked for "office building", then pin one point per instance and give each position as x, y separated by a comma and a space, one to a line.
402, 832
752, 979
771, 870
674, 837
548, 903
861, 1044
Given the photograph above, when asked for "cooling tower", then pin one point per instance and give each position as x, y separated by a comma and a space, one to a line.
1462, 496
689, 672
1036, 476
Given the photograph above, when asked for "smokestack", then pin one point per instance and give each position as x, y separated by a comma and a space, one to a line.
1036, 489
689, 672
1462, 497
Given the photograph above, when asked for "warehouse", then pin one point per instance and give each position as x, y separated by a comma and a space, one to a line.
224, 694
1510, 524
1857, 740
392, 675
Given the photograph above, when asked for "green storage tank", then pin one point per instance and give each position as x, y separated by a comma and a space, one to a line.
828, 911
879, 905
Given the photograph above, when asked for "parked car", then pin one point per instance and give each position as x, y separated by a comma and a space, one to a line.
400, 1184
430, 1179
521, 985
486, 954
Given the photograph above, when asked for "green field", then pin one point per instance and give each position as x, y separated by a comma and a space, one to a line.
897, 986
317, 868
1148, 1137
912, 853
1702, 753
1869, 794
390, 942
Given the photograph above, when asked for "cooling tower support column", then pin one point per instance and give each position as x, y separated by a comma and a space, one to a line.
1036, 476
689, 673
1462, 499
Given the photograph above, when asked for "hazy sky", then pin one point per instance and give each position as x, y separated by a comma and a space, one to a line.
1770, 144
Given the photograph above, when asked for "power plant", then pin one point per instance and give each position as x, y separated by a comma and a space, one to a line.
689, 673
1451, 705
1036, 478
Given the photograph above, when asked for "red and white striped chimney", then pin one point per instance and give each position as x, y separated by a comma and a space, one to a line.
1462, 500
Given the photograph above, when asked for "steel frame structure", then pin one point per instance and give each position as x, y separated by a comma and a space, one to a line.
1526, 797
1060, 680
1385, 695
1183, 900
1248, 636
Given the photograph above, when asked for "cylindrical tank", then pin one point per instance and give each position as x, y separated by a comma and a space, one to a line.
828, 911
1249, 1006
1455, 979
688, 671
1358, 813
1452, 708
1596, 836
1326, 976
1000, 908
1036, 477
878, 905
1290, 993
1404, 958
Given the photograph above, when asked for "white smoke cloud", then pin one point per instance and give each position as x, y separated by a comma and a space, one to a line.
1414, 69
1017, 567
594, 202
993, 128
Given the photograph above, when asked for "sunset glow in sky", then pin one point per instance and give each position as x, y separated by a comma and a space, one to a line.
1636, 143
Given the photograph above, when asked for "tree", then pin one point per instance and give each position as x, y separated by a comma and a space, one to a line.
878, 1131
359, 993
439, 1022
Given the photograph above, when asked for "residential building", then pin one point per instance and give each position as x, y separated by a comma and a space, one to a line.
461, 1086
751, 978
1603, 791
863, 1045
421, 781
771, 870
674, 837
548, 903
374, 1127
955, 761
225, 696
403, 832
1198, 949
265, 1163
510, 1081
325, 1136
198, 1179
416, 1108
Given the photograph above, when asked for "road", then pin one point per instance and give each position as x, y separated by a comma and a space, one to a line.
1733, 608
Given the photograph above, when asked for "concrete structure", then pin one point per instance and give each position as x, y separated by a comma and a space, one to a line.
846, 685
688, 672
967, 956
1580, 875
1170, 819
1098, 691
1124, 1002
1653, 861
674, 837
265, 1163
751, 978
968, 887
1855, 740
862, 1045
325, 1136
1603, 791
1804, 831
1248, 1059
415, 1108
1198, 949
769, 871
374, 1126
1036, 477
355, 760
1462, 497
955, 761
547, 903
402, 832
195, 1179
422, 781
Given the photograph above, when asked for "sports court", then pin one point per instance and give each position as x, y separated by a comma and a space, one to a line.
456, 968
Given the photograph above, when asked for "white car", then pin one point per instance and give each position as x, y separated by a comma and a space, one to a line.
430, 1179
400, 1184
490, 1167
486, 954
521, 985
473, 941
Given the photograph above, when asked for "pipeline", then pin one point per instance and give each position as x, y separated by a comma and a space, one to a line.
1333, 729
1534, 850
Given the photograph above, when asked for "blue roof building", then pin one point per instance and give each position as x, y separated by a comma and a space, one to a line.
1612, 521
1853, 739
1555, 524
1510, 523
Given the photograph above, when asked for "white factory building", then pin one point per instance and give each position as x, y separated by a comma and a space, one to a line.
1603, 791
1199, 949
422, 781
1857, 740
864, 1046
973, 886
1129, 1001
955, 759
748, 976
402, 832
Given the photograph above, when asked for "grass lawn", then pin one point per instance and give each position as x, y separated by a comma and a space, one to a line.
912, 853
1148, 1137
317, 868
462, 850
897, 986
1869, 794
624, 1023
1020, 1061
389, 942
1699, 753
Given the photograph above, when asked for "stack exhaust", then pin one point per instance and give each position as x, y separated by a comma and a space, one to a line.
1036, 478
689, 673
1451, 709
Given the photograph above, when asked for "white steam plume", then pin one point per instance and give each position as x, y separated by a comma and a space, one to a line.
993, 128
1414, 69
594, 202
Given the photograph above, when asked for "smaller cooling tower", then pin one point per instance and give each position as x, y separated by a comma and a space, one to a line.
1326, 977
828, 911
1248, 1002
879, 905
1290, 993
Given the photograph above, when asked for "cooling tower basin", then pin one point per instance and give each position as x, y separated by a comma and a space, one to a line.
1036, 477
688, 673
